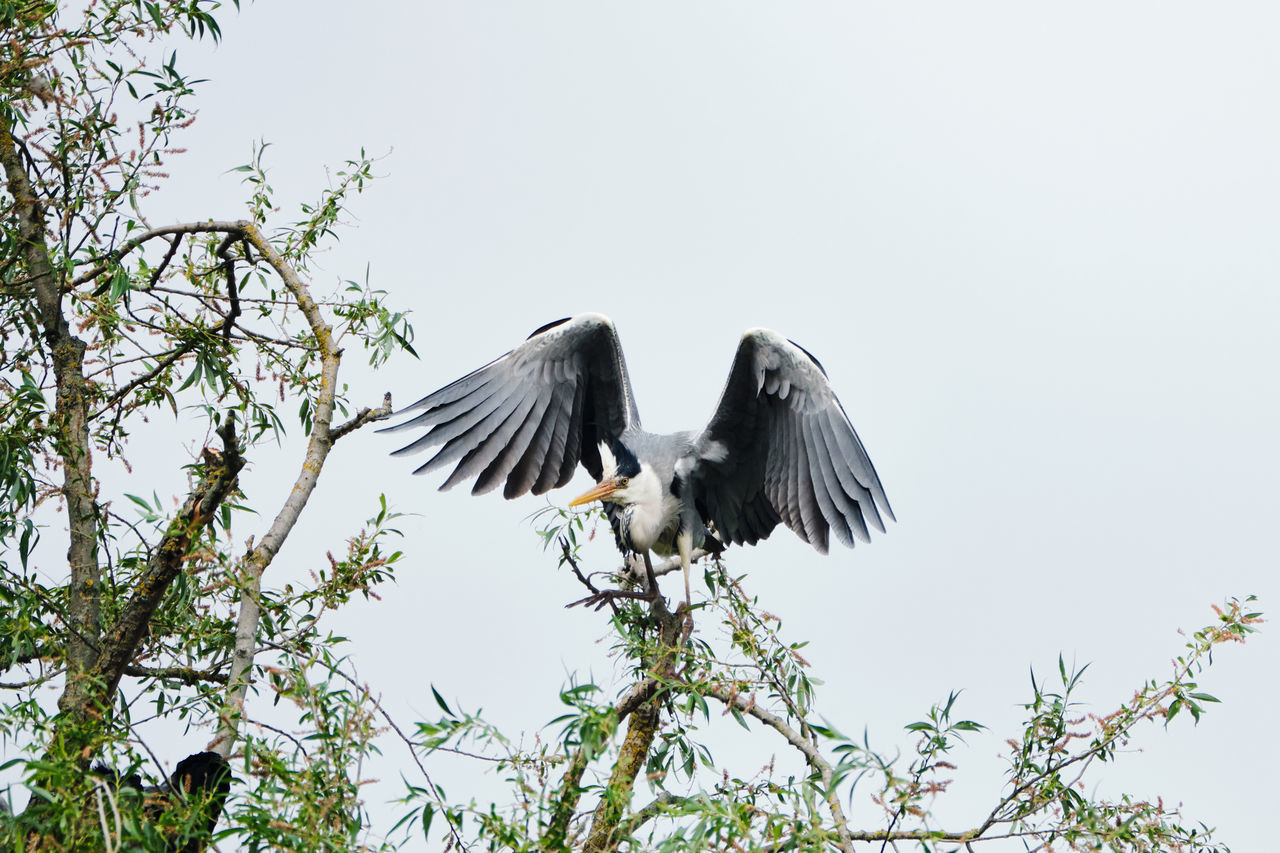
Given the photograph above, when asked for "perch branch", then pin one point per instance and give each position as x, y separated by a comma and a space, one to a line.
642, 726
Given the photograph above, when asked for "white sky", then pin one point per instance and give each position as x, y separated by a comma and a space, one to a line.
1033, 244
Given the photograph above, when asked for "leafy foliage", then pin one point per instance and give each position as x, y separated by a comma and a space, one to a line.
117, 333
760, 681
112, 327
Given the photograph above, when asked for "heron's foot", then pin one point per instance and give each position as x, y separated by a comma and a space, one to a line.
598, 599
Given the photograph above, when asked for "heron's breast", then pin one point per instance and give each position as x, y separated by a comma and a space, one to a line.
652, 527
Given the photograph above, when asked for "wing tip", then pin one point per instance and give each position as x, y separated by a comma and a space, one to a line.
592, 317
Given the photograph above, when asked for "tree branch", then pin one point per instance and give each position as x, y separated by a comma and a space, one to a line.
162, 365
634, 566
556, 833
165, 261
114, 256
641, 728
364, 416
70, 416
320, 443
120, 644
810, 752
185, 674
663, 803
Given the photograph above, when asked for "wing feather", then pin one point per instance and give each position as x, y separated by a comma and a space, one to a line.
457, 418
572, 439
464, 441
531, 416
786, 499
870, 494
781, 448
489, 448
810, 513
537, 455
853, 500
825, 484
513, 450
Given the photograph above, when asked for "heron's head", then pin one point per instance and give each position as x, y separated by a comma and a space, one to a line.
619, 470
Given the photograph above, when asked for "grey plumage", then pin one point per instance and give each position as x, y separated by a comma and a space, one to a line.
779, 447
530, 416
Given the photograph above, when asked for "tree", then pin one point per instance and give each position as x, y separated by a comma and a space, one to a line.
114, 325
109, 322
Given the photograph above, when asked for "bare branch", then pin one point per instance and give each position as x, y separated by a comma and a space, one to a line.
185, 674
229, 269
634, 566
320, 443
364, 416
165, 261
31, 682
114, 256
663, 803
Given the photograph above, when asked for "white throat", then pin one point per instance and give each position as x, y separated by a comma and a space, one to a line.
652, 512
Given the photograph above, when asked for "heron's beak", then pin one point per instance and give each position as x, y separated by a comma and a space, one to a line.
603, 489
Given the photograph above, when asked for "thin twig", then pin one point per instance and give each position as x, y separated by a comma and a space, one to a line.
115, 255
164, 363
164, 262
364, 416
185, 674
663, 803
806, 748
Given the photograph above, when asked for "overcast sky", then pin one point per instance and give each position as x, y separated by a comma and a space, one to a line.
1035, 246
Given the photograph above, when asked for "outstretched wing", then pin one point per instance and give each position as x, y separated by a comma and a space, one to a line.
780, 448
532, 415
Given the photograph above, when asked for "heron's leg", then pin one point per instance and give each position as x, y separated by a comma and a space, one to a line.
650, 577
685, 543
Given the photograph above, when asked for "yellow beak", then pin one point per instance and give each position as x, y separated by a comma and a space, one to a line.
603, 489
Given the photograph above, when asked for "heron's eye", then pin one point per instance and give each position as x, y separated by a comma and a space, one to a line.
622, 483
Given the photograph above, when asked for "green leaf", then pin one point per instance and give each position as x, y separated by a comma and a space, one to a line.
968, 726
440, 701
192, 379
428, 812
120, 284
1203, 697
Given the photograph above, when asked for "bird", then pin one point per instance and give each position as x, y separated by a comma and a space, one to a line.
779, 446
203, 780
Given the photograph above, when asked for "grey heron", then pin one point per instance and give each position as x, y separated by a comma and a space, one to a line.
779, 446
